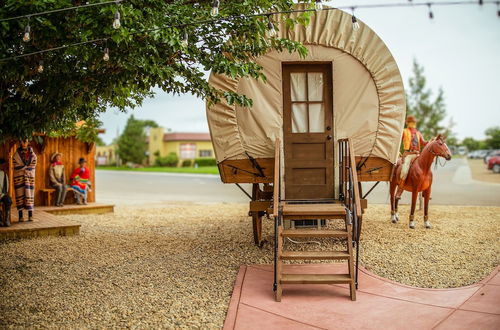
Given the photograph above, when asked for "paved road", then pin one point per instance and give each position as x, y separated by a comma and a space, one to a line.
452, 186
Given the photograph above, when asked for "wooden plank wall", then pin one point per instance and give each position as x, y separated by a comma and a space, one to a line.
71, 148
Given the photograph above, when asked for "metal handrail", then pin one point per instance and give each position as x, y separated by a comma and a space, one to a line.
277, 214
349, 191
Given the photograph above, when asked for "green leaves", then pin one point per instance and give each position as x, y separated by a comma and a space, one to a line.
78, 84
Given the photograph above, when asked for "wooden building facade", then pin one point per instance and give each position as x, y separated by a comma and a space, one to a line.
71, 149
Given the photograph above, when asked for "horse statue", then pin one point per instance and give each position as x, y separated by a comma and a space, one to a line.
417, 178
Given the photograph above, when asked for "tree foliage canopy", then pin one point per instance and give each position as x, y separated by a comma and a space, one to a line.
493, 137
430, 111
77, 83
132, 144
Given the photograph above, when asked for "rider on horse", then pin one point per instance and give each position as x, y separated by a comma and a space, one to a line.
412, 138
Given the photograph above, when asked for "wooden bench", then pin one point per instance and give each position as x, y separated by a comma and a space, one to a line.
47, 194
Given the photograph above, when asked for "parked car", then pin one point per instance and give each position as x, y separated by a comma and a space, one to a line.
481, 153
494, 164
490, 154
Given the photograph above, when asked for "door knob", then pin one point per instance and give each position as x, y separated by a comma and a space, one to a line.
329, 137
328, 128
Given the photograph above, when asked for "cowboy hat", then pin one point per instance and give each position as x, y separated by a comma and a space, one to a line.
411, 119
54, 156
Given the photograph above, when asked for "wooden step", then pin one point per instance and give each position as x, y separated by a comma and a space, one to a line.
319, 210
315, 278
314, 255
314, 233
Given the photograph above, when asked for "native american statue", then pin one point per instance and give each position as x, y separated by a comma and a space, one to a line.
24, 179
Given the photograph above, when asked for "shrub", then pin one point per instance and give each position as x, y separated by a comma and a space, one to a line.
205, 162
170, 160
186, 163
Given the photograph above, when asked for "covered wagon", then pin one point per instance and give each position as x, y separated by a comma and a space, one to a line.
318, 127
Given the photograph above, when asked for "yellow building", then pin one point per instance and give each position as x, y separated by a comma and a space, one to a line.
106, 155
187, 146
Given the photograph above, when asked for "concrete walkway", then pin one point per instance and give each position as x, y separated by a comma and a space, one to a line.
381, 303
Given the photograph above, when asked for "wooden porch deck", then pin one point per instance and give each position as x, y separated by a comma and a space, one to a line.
47, 223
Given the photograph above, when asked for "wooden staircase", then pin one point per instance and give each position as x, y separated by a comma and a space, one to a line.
344, 212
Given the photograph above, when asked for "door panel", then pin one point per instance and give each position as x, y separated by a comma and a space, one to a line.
307, 131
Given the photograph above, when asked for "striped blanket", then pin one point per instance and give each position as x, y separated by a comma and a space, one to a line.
24, 178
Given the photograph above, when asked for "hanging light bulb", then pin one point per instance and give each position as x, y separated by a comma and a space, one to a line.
116, 20
39, 69
215, 8
355, 24
431, 14
271, 31
27, 32
106, 54
185, 39
318, 5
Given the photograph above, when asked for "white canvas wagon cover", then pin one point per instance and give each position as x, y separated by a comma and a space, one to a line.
368, 96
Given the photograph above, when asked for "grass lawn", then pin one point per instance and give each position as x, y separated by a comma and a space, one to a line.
199, 170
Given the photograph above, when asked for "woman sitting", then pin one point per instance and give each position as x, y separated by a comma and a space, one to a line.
81, 182
58, 178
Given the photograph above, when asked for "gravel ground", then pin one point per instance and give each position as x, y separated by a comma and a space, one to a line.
174, 266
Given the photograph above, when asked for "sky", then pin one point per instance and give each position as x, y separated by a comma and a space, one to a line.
459, 50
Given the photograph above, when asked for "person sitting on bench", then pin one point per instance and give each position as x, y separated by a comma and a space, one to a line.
58, 178
5, 199
81, 182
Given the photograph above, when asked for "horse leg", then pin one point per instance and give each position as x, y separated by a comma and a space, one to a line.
396, 203
427, 196
392, 192
414, 195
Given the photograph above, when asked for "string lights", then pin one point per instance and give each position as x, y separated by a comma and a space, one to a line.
355, 24
431, 14
271, 31
105, 57
318, 6
39, 69
116, 21
185, 39
27, 32
215, 8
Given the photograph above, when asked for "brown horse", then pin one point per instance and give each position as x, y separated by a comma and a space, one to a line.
419, 179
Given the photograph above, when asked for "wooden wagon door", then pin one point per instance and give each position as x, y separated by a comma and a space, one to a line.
307, 131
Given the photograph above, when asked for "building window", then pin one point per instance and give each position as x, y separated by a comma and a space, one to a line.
188, 150
205, 153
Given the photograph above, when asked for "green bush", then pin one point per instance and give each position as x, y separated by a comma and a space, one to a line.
205, 162
186, 163
170, 160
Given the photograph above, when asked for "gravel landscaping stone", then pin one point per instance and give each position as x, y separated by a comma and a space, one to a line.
174, 266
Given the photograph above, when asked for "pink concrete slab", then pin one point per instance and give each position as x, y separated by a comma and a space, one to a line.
329, 306
453, 298
254, 318
487, 300
495, 278
470, 320
381, 304
235, 299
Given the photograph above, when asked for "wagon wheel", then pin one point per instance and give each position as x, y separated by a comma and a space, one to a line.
257, 218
